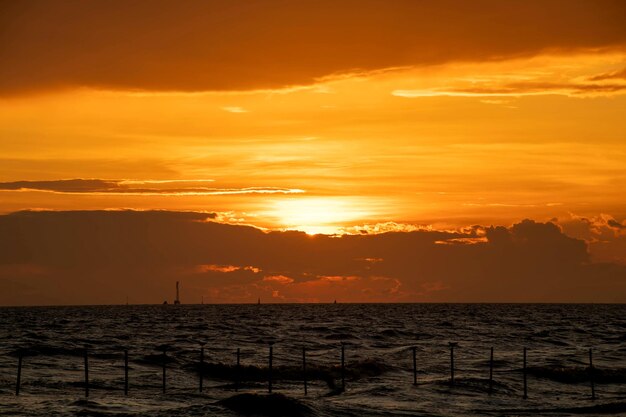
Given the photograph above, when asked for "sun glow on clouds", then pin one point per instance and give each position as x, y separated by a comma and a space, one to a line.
317, 215
224, 268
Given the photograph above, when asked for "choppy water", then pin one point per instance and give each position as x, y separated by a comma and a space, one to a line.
379, 378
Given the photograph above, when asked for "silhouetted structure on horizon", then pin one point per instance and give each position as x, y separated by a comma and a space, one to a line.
177, 300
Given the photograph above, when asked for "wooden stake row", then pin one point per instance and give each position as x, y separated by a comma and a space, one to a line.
304, 370
524, 370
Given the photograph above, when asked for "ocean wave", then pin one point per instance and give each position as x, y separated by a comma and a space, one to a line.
574, 375
48, 350
474, 384
609, 408
340, 336
329, 374
271, 405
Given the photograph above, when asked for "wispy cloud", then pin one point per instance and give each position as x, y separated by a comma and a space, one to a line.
613, 75
280, 279
224, 268
137, 187
384, 227
542, 75
519, 89
234, 109
509, 205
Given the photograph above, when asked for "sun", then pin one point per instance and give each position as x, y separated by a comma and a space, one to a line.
317, 215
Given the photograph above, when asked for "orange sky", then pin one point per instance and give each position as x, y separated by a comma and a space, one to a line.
324, 117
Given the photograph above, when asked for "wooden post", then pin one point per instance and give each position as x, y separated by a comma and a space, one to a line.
164, 368
452, 346
125, 371
237, 371
201, 366
593, 387
19, 373
414, 365
86, 373
525, 377
343, 366
491, 371
269, 377
304, 369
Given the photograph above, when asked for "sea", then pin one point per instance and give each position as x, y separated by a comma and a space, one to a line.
397, 360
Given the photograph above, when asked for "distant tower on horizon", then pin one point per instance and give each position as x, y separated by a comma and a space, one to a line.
177, 300
259, 301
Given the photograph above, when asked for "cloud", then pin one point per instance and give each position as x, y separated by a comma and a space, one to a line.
82, 257
615, 224
280, 279
224, 268
384, 227
518, 89
614, 75
240, 45
592, 229
137, 187
604, 235
233, 109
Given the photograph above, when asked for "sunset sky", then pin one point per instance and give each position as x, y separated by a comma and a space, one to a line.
306, 151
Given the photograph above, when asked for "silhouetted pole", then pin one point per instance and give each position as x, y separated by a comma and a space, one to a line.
164, 368
452, 346
414, 365
19, 373
304, 369
86, 373
491, 371
201, 366
593, 387
269, 377
343, 366
525, 378
125, 372
237, 370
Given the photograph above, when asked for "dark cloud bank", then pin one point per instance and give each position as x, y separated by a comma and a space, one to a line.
236, 44
83, 257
